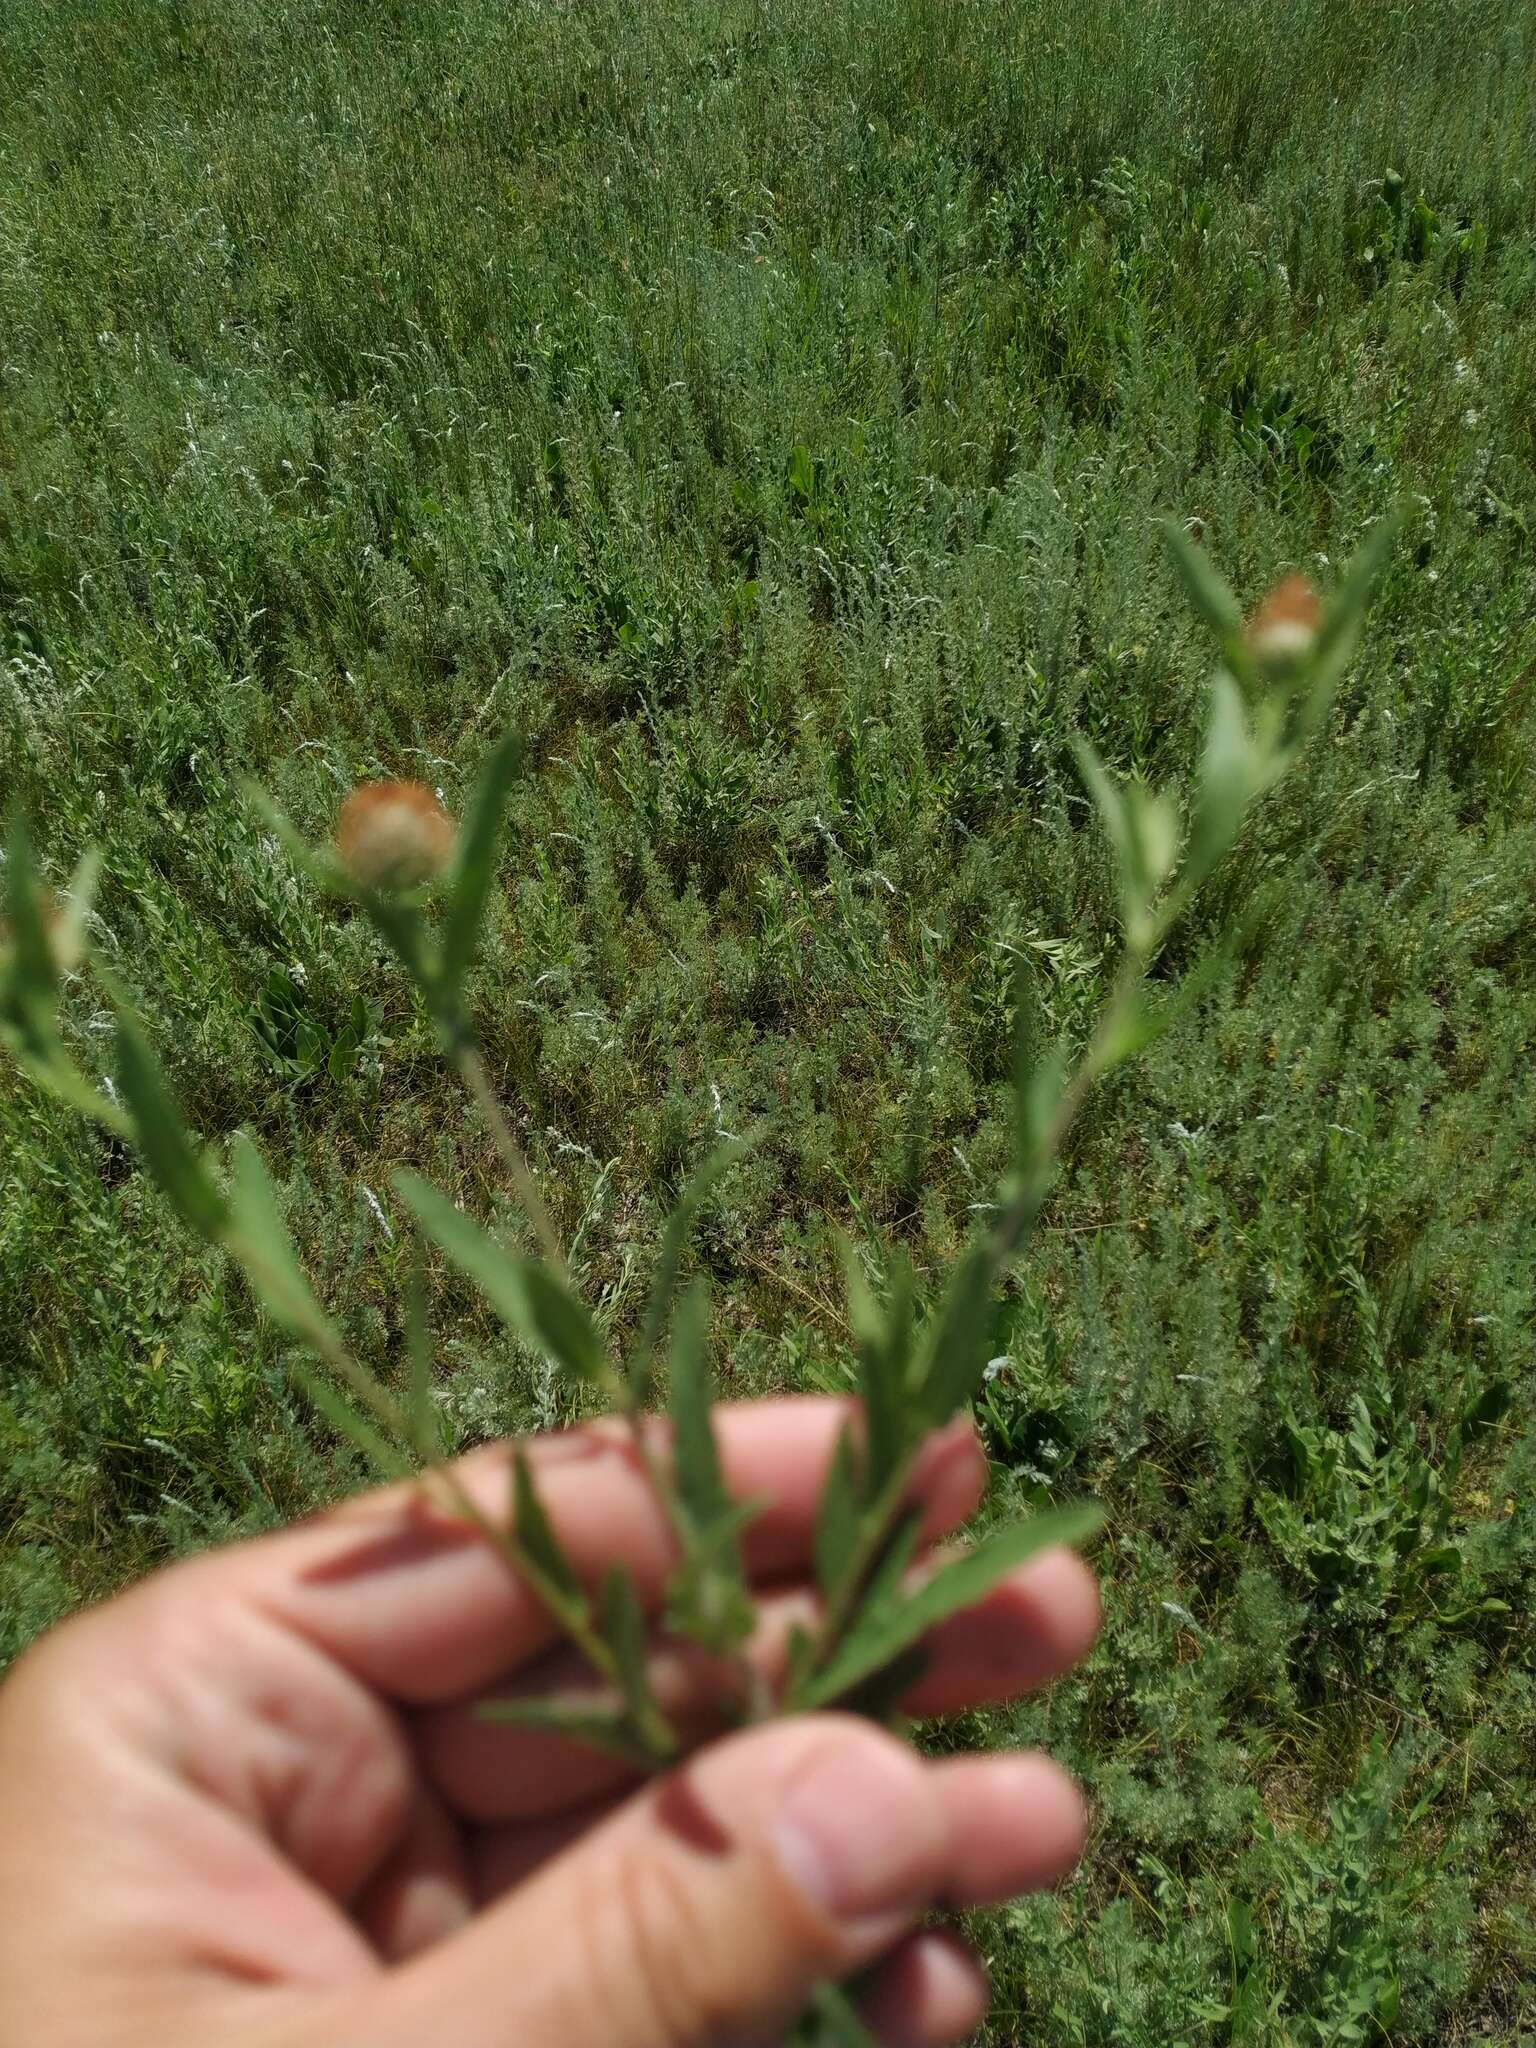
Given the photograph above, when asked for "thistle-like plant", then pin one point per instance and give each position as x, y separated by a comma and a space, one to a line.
425, 886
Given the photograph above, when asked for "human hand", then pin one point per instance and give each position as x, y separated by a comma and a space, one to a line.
249, 1804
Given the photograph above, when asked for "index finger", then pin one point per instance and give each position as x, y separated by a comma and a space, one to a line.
415, 1602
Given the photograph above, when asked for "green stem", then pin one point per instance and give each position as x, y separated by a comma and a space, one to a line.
471, 1067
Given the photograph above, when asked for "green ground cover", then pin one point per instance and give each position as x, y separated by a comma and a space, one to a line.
768, 408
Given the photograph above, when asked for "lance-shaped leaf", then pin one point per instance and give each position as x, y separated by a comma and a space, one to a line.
961, 1337
888, 1626
527, 1296
475, 865
320, 864
386, 1458
838, 1518
162, 1137
708, 1597
621, 1621
257, 1238
1230, 775
883, 1342
542, 1558
1344, 618
604, 1726
1206, 589
668, 1259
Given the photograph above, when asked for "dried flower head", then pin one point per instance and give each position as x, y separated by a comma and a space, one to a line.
394, 835
1282, 631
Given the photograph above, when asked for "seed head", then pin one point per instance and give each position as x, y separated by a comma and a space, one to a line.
1283, 629
394, 835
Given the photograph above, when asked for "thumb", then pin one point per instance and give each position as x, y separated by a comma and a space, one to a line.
705, 1910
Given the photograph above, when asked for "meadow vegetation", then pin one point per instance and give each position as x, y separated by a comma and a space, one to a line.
768, 411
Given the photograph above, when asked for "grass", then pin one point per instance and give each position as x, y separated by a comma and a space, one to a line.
768, 409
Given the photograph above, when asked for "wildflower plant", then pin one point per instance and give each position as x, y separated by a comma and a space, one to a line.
424, 883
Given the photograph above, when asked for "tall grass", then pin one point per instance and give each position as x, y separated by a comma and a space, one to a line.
768, 409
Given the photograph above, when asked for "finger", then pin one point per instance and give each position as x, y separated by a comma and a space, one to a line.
1029, 1629
415, 1602
930, 1991
705, 1909
1017, 1823
425, 1890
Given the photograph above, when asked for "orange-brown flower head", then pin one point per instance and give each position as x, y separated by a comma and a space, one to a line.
394, 835
1283, 629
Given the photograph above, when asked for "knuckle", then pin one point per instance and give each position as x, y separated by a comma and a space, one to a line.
652, 1952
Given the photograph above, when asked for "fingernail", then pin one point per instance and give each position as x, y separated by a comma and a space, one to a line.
859, 1831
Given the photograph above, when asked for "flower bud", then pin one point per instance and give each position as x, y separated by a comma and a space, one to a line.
394, 835
1283, 630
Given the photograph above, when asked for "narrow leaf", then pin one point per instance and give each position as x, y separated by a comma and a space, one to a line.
1206, 589
668, 1260
1229, 777
162, 1137
420, 1407
346, 1420
886, 1628
540, 1551
621, 1620
606, 1728
1107, 801
258, 1239
695, 1455
837, 1517
475, 867
883, 1347
528, 1297
33, 965
962, 1337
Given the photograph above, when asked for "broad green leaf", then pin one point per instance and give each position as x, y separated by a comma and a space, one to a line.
258, 1239
528, 1297
1153, 828
388, 1461
837, 1517
961, 1341
1207, 591
162, 1138
475, 866
603, 1727
887, 1627
668, 1259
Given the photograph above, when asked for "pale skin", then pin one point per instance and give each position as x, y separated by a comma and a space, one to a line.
250, 1803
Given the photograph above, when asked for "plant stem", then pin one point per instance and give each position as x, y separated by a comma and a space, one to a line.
466, 1057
